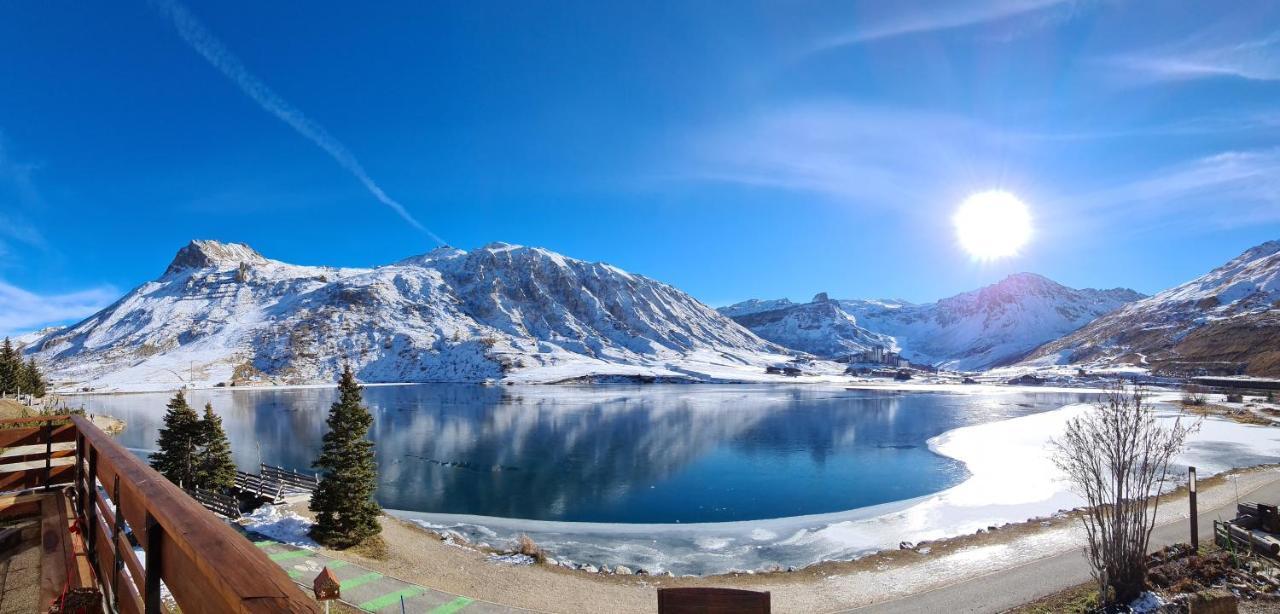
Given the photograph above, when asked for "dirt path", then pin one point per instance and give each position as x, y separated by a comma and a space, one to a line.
1027, 560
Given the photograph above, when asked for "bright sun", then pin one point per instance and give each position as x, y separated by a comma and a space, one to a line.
992, 225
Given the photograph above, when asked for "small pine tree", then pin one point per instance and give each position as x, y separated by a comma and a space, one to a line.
10, 368
214, 468
179, 442
32, 379
346, 513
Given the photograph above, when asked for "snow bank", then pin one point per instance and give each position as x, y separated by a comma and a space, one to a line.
281, 525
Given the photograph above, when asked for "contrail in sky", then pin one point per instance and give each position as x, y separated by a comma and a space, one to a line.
217, 54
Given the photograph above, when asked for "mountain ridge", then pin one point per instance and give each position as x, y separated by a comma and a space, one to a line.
1226, 321
223, 313
975, 330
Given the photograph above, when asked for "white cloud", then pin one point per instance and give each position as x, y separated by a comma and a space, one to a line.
871, 156
918, 163
1239, 122
885, 20
1255, 60
212, 50
17, 193
1225, 190
22, 311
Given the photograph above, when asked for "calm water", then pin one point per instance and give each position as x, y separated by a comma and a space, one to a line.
614, 453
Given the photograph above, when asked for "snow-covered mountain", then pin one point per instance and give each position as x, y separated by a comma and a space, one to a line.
820, 327
25, 339
975, 330
1224, 322
222, 313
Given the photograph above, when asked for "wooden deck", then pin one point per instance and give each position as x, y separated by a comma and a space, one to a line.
112, 525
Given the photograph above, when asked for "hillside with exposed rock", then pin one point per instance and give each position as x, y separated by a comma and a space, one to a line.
223, 314
1225, 322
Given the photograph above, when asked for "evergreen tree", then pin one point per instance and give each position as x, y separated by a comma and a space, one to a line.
214, 468
10, 368
346, 513
179, 443
32, 379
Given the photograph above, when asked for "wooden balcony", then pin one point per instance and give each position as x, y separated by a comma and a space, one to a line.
109, 524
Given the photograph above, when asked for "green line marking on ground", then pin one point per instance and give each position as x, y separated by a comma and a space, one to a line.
452, 606
374, 605
263, 543
359, 580
336, 563
288, 555
293, 573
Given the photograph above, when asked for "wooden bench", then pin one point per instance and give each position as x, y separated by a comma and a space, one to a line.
712, 601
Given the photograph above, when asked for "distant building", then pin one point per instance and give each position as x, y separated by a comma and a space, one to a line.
1026, 380
880, 356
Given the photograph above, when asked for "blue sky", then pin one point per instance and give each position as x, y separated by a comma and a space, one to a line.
734, 149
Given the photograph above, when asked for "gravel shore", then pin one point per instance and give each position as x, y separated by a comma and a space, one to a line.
420, 556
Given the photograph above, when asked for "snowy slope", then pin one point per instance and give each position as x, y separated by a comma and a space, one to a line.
1226, 321
25, 339
755, 305
224, 313
820, 327
989, 326
975, 330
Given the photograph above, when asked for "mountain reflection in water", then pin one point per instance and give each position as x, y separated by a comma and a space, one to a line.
614, 453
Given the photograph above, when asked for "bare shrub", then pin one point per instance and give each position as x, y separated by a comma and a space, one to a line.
526, 546
1194, 394
1116, 456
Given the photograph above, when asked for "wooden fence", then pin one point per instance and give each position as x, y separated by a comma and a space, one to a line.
291, 480
140, 530
215, 502
266, 490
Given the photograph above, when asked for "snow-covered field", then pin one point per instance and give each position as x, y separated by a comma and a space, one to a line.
1011, 482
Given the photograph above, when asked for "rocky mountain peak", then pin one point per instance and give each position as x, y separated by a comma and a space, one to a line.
1270, 248
201, 254
496, 312
439, 254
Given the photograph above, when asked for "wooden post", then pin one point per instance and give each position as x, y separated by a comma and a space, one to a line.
48, 453
1195, 520
91, 508
115, 543
151, 594
79, 487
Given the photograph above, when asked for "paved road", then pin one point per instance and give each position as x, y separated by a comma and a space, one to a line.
1002, 590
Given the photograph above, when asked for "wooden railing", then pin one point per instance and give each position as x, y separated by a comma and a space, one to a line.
140, 530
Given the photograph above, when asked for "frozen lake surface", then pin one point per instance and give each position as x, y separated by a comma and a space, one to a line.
616, 454
693, 479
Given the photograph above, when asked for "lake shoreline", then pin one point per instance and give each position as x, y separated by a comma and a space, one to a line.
420, 555
1008, 488
847, 383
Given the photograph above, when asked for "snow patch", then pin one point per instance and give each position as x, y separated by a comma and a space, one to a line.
281, 525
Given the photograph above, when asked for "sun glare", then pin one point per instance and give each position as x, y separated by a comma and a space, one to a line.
992, 225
